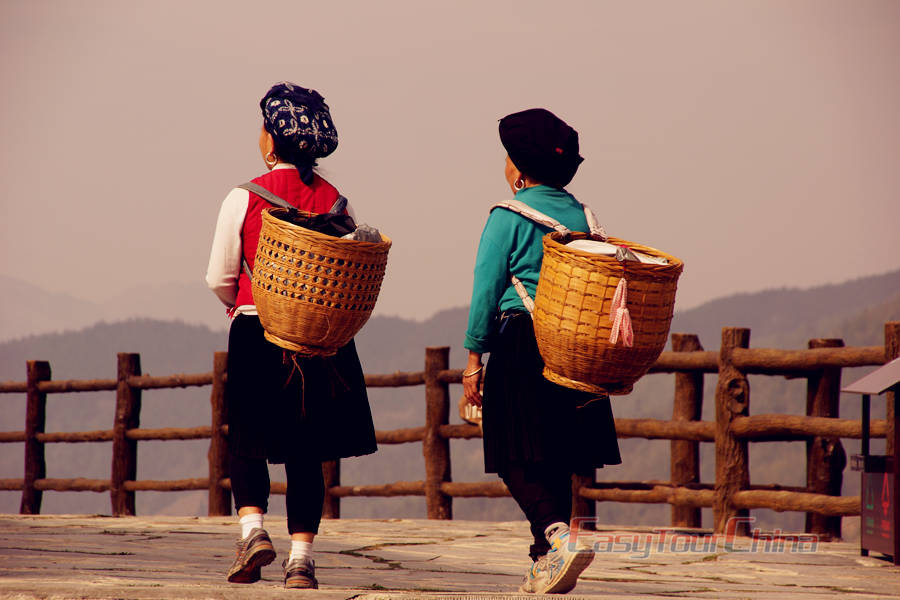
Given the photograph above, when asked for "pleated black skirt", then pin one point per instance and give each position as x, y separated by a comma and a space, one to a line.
281, 406
528, 419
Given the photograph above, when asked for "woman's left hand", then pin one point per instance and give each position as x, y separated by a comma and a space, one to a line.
472, 383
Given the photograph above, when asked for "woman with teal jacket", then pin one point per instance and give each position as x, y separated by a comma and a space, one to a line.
537, 434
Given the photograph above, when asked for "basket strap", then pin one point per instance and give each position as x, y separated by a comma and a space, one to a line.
597, 231
339, 205
266, 194
519, 207
523, 294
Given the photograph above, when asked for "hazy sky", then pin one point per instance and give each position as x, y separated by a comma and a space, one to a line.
758, 141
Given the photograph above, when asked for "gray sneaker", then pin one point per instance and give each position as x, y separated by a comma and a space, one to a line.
300, 573
557, 571
253, 553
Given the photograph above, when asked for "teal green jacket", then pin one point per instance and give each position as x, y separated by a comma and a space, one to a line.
511, 245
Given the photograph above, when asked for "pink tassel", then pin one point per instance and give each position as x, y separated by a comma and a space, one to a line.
620, 317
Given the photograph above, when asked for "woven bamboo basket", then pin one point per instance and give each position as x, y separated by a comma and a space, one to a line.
314, 292
572, 314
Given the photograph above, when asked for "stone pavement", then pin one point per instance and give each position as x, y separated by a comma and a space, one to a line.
62, 556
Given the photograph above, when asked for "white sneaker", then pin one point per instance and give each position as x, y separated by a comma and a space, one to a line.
557, 572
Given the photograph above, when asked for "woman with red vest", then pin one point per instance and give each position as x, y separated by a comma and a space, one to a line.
282, 408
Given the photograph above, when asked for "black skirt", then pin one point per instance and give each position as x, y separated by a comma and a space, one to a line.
280, 406
528, 419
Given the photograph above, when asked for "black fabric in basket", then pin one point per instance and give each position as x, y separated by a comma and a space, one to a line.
328, 223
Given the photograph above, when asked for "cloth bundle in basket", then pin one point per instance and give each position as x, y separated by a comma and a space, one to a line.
314, 292
572, 321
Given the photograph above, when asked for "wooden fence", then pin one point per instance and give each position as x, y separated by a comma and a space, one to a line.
732, 494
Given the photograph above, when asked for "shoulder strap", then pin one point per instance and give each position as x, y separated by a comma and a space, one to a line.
339, 205
519, 207
265, 194
597, 231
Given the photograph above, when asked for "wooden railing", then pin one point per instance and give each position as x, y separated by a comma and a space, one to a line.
732, 494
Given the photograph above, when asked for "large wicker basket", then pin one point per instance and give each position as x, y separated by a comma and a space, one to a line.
314, 292
572, 308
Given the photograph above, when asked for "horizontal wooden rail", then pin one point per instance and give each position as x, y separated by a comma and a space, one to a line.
170, 433
63, 386
822, 504
662, 494
450, 376
147, 382
774, 427
103, 435
13, 387
77, 484
398, 488
770, 427
80, 484
400, 436
772, 362
398, 379
177, 485
459, 432
698, 361
658, 429
649, 485
477, 489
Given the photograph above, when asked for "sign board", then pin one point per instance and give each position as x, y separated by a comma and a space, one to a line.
877, 512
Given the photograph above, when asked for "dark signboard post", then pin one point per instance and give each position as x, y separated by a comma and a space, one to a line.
880, 474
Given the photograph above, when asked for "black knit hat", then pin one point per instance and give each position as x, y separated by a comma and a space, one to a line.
541, 146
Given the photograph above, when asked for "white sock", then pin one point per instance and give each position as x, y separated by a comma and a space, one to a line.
300, 550
249, 522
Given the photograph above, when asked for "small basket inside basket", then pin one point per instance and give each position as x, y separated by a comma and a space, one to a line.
314, 292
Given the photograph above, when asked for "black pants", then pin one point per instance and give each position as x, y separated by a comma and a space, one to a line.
305, 489
545, 496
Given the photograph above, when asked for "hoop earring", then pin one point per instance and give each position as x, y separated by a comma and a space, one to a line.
519, 185
271, 159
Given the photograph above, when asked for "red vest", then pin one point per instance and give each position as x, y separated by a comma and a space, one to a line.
286, 184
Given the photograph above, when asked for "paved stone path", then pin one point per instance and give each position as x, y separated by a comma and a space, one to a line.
61, 557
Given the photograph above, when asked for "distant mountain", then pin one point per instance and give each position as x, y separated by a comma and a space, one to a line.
772, 315
30, 310
855, 311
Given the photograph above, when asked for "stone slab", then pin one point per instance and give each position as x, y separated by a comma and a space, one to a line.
146, 558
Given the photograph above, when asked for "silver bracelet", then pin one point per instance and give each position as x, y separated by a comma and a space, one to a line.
476, 371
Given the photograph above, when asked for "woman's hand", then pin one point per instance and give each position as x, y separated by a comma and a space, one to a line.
472, 382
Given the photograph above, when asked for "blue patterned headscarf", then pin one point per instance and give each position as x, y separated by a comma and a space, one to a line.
300, 123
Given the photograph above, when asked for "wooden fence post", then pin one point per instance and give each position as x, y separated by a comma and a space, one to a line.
435, 448
891, 351
581, 506
219, 497
732, 464
685, 454
128, 415
35, 418
331, 473
825, 457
